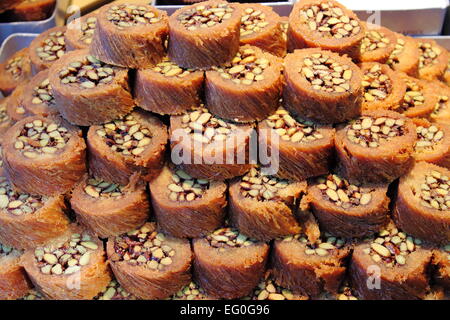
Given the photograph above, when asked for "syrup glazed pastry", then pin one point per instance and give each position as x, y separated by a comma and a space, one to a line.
110, 209
433, 143
228, 264
43, 156
119, 148
5, 120
80, 32
88, 91
47, 48
37, 96
264, 207
198, 33
441, 264
186, 207
441, 112
305, 148
71, 267
28, 221
130, 35
209, 147
377, 147
14, 282
383, 88
168, 88
422, 207
114, 291
310, 267
346, 209
14, 103
260, 27
33, 10
149, 264
15, 70
192, 291
433, 60
322, 86
405, 57
8, 4
246, 89
401, 263
377, 45
325, 24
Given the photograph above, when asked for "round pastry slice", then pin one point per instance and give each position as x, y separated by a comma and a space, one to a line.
130, 35
433, 142
228, 264
88, 91
405, 57
441, 263
260, 27
71, 267
325, 24
390, 266
322, 86
44, 156
37, 98
14, 103
346, 209
149, 264
441, 112
14, 282
109, 209
15, 70
33, 10
377, 44
114, 291
80, 32
305, 149
168, 88
310, 267
198, 33
383, 88
119, 148
377, 147
264, 207
48, 47
5, 120
433, 60
246, 89
422, 207
187, 207
208, 147
27, 221
192, 291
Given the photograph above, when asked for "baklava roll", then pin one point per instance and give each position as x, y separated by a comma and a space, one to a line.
44, 156
33, 10
149, 264
15, 70
433, 142
47, 48
377, 44
14, 283
37, 98
80, 32
405, 57
114, 291
268, 289
433, 60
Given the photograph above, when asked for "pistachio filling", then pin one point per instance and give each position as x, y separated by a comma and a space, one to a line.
374, 40
144, 247
441, 105
128, 15
67, 257
377, 85
392, 247
267, 289
114, 291
343, 193
98, 188
41, 137
88, 72
261, 187
3, 114
413, 97
326, 245
398, 49
87, 30
245, 68
429, 54
183, 187
126, 136
202, 16
5, 250
428, 137
329, 20
192, 291
326, 74
171, 69
372, 132
53, 47
228, 237
17, 203
33, 295
253, 21
42, 93
435, 191
291, 129
14, 67
206, 128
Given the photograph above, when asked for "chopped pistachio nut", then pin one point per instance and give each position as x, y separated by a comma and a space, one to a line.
128, 15
428, 137
326, 245
43, 94
293, 129
33, 295
267, 289
252, 21
114, 291
345, 293
171, 69
98, 188
3, 114
190, 292
53, 47
245, 68
202, 16
376, 84
329, 20
144, 247
428, 54
435, 191
413, 97
183, 187
441, 105
14, 67
5, 250
17, 203
371, 132
126, 136
325, 74
41, 137
374, 40
261, 187
228, 237
398, 49
87, 30
343, 193
67, 257
284, 25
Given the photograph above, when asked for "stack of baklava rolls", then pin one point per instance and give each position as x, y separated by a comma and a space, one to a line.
225, 152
